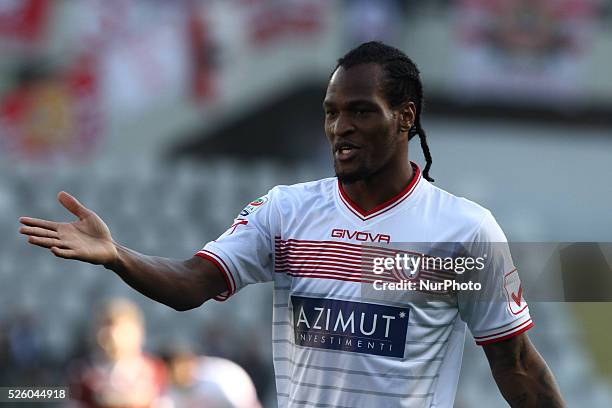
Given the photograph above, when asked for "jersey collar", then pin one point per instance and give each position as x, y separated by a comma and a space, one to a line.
387, 205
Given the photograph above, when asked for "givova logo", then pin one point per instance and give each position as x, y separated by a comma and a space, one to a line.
350, 326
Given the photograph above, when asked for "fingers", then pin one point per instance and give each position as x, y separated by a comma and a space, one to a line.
73, 205
38, 232
63, 253
36, 222
46, 242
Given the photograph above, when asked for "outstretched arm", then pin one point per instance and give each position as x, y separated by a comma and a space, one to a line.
181, 285
522, 375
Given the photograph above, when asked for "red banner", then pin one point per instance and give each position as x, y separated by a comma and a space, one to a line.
58, 115
23, 19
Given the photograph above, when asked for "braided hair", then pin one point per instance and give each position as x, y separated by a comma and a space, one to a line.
402, 83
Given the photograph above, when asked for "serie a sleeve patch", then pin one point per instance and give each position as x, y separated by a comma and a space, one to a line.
253, 206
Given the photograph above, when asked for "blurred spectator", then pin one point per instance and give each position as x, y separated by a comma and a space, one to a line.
244, 349
120, 373
22, 355
374, 20
137, 98
24, 341
210, 382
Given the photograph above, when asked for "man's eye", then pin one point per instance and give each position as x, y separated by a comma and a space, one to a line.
330, 113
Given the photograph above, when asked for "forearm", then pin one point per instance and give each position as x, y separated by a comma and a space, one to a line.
164, 280
181, 285
529, 384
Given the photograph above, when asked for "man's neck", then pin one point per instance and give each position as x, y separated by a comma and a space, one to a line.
380, 188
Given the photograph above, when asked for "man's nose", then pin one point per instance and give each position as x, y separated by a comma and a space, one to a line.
343, 125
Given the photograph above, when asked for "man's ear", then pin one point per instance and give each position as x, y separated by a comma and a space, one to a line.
407, 116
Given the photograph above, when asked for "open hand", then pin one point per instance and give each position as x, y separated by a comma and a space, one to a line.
87, 239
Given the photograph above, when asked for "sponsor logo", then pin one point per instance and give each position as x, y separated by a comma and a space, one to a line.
350, 326
360, 235
253, 206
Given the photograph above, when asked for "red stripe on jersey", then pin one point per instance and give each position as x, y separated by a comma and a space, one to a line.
303, 243
387, 205
506, 337
366, 251
345, 262
349, 261
488, 336
222, 266
309, 258
331, 250
326, 255
299, 243
357, 267
306, 245
227, 269
324, 268
351, 267
343, 256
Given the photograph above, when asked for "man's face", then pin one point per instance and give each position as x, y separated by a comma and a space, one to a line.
121, 337
363, 130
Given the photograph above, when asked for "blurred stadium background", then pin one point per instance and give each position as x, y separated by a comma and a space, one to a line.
166, 118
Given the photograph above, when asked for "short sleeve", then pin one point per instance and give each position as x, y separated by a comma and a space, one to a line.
498, 310
244, 253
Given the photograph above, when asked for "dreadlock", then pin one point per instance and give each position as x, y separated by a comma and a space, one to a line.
401, 84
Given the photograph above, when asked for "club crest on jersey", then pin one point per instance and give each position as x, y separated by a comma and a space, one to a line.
253, 206
350, 326
514, 292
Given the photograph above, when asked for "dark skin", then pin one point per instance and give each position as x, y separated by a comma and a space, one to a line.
522, 375
357, 116
182, 285
377, 169
369, 141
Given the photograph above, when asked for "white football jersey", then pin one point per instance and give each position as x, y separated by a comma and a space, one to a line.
339, 338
